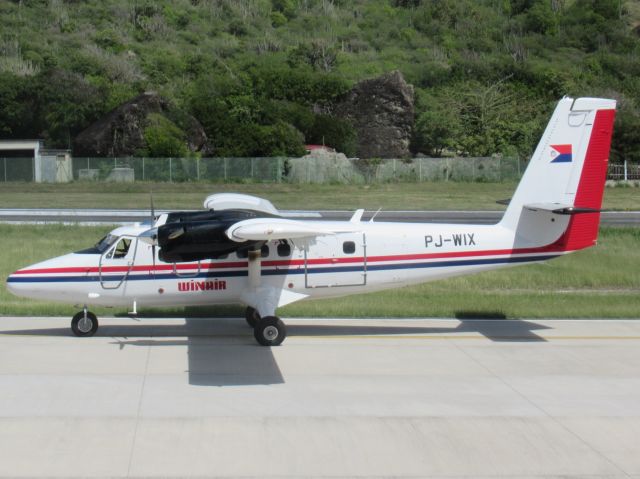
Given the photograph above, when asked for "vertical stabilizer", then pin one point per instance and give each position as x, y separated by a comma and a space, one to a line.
568, 169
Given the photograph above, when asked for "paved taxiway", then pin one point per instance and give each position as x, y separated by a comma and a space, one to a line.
103, 216
402, 398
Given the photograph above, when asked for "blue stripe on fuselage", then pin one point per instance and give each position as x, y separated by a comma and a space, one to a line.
276, 272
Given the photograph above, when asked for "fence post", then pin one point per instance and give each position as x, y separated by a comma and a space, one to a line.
5, 170
625, 170
143, 168
225, 169
198, 169
252, 160
170, 170
420, 170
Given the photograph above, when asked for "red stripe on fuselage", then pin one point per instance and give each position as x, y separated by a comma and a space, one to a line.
554, 247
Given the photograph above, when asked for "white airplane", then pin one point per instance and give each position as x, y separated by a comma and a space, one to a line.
241, 250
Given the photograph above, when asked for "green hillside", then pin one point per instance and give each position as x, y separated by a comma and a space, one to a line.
256, 73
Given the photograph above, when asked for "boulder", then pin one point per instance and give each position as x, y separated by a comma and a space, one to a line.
121, 131
382, 112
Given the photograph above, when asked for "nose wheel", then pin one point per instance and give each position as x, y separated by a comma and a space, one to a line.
270, 331
84, 324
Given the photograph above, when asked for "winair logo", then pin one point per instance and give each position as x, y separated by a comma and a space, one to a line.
561, 153
201, 285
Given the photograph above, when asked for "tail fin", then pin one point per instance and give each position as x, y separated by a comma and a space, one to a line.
567, 172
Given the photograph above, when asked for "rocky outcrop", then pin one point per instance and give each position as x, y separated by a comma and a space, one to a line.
121, 131
382, 112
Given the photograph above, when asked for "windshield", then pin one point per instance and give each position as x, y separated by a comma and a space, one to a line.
101, 246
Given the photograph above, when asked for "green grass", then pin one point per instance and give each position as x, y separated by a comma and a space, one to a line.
389, 196
599, 282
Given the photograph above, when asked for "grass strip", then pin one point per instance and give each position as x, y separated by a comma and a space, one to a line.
388, 196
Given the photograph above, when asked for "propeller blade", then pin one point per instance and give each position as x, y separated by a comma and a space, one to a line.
153, 210
153, 232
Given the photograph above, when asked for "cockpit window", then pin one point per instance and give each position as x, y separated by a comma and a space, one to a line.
104, 244
101, 246
121, 249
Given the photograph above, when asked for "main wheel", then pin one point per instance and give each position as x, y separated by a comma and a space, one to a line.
252, 316
270, 331
82, 326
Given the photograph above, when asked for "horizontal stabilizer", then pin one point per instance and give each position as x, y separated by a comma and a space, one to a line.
560, 209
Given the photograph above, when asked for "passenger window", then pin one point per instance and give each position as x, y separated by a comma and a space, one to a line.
264, 251
284, 249
349, 247
121, 249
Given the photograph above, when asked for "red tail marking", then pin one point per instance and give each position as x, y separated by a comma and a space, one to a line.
583, 228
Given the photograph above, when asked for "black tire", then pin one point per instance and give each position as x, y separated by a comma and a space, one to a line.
81, 329
252, 316
270, 331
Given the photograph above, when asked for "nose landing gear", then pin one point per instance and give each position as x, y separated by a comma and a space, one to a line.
84, 323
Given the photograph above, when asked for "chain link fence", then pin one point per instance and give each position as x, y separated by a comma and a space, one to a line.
17, 169
179, 169
624, 171
309, 169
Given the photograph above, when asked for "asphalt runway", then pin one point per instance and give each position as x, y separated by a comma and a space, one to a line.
341, 398
95, 216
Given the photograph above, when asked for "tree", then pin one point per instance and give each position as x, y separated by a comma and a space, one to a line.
163, 138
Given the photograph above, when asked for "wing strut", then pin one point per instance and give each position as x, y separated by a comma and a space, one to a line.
255, 268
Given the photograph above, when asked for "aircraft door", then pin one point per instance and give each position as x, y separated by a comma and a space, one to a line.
117, 262
337, 260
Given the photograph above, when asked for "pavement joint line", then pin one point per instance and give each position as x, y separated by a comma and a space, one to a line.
160, 320
358, 337
533, 404
138, 412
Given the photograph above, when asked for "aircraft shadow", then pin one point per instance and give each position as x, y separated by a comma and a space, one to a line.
224, 353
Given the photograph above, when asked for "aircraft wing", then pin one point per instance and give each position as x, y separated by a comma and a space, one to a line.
265, 229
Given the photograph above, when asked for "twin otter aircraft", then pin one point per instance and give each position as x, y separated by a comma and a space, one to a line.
241, 250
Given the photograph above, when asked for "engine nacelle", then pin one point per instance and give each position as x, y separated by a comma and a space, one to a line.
195, 236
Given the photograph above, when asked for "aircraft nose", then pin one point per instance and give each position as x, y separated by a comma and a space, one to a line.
18, 284
13, 282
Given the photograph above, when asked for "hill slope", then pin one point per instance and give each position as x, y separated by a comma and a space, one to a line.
256, 73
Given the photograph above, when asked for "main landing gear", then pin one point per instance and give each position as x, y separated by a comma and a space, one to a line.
268, 331
85, 323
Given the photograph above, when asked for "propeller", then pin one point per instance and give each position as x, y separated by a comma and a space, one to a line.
150, 236
155, 235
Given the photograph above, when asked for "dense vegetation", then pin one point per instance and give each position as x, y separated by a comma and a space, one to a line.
257, 73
